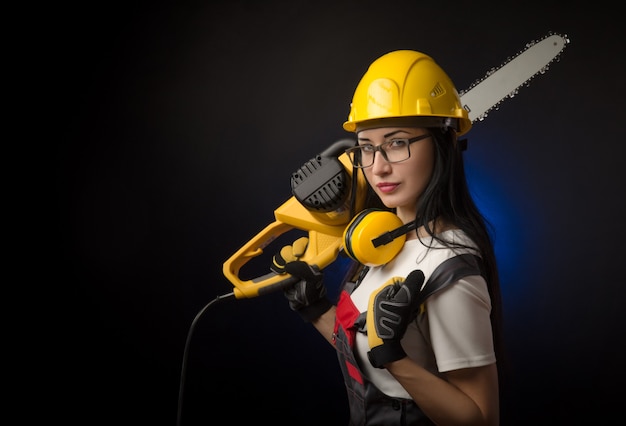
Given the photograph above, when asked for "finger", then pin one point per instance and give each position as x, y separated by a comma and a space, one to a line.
281, 258
278, 264
301, 270
414, 281
299, 246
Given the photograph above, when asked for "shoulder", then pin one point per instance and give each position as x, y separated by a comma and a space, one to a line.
471, 288
431, 251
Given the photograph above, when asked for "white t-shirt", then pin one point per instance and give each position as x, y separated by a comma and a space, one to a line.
454, 331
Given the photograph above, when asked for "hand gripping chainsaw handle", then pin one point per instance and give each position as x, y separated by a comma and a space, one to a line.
322, 205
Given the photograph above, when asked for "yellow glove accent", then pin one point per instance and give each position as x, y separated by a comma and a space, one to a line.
372, 337
390, 310
288, 254
299, 247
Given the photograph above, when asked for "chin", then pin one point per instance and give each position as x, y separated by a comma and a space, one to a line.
389, 200
390, 204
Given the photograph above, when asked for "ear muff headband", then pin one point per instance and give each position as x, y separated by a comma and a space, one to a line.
374, 237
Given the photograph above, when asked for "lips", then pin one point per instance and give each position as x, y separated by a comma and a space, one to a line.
386, 187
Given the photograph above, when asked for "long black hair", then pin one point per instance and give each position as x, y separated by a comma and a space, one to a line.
448, 198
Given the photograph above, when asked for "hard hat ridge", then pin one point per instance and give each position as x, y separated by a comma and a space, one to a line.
409, 86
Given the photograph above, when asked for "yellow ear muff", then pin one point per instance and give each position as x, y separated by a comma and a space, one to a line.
364, 228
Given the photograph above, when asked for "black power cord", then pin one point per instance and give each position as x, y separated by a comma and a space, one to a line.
183, 371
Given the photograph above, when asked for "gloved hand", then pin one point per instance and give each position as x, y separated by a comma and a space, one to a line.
390, 310
307, 297
289, 254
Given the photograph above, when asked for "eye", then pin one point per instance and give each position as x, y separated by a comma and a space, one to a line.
367, 148
397, 143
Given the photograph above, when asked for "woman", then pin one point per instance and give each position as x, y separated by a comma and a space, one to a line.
417, 329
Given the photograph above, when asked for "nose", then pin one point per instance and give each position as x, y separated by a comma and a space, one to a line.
381, 165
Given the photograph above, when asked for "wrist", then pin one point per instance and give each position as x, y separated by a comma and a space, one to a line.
315, 310
387, 352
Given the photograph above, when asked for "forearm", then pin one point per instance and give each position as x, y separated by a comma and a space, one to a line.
471, 399
325, 324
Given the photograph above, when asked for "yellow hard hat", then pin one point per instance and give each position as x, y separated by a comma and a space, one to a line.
409, 87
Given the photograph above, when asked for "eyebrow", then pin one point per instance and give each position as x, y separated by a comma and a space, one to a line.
387, 135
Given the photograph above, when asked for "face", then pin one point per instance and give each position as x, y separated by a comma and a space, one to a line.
400, 185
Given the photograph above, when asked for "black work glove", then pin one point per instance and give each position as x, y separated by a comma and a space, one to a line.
307, 297
391, 308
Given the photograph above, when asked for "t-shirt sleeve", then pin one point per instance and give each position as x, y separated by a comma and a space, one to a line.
460, 326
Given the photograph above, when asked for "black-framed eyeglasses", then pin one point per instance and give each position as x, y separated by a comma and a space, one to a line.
393, 151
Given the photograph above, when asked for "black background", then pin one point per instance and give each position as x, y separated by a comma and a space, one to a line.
181, 125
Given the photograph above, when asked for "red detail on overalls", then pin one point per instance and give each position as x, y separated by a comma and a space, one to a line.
354, 372
345, 318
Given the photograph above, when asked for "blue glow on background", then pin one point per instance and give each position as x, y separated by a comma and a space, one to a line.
498, 207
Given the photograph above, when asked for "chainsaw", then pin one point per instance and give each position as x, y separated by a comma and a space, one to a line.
326, 195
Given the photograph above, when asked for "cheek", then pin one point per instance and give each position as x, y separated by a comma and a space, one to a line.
424, 157
423, 168
421, 176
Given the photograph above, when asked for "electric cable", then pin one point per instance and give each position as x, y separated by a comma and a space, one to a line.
186, 353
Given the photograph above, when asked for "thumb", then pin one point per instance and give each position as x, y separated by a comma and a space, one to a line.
414, 281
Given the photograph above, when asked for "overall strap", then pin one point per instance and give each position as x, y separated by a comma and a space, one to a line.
450, 271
